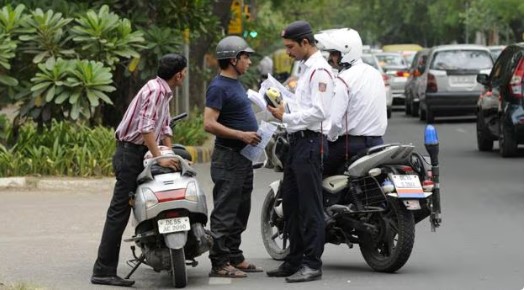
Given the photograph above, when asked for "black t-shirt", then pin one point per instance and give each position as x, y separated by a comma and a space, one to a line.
230, 98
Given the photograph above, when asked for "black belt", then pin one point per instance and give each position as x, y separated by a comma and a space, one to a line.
360, 138
303, 134
130, 145
237, 150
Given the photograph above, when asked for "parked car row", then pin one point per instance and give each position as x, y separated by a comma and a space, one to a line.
499, 108
456, 80
452, 80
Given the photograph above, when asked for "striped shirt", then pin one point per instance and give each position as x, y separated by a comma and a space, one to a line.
148, 112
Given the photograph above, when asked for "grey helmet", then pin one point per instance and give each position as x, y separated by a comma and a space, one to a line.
231, 46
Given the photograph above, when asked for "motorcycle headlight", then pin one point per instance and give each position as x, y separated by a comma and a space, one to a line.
192, 192
149, 198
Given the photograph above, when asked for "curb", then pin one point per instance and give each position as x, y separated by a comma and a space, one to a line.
202, 154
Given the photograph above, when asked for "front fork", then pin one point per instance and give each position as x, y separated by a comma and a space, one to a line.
435, 211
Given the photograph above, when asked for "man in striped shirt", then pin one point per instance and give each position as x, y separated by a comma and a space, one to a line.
144, 126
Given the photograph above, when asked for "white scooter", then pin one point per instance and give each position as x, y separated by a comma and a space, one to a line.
169, 217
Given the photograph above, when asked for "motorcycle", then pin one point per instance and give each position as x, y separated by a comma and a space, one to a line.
375, 203
169, 216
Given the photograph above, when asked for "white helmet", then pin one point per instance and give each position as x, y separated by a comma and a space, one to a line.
345, 40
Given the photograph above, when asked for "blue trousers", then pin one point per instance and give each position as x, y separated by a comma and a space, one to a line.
302, 201
337, 151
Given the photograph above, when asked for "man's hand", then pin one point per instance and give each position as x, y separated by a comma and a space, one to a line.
277, 112
170, 163
250, 138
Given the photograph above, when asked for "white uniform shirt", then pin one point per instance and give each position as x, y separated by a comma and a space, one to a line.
360, 99
313, 97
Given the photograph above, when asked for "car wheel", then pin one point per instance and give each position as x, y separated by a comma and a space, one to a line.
485, 142
422, 114
389, 112
415, 109
407, 108
508, 145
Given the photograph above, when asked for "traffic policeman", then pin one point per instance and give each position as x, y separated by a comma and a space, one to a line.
358, 110
307, 125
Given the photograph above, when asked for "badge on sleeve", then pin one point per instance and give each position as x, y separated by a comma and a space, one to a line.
322, 87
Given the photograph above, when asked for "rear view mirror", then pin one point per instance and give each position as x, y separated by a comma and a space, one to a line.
483, 79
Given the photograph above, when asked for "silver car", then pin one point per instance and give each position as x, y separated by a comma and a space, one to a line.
448, 84
372, 60
396, 67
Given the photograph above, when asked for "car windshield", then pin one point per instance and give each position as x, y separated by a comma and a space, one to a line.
391, 60
495, 52
461, 59
369, 59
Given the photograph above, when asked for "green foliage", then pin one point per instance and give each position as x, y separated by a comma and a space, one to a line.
106, 37
69, 149
11, 20
65, 149
76, 87
190, 131
45, 36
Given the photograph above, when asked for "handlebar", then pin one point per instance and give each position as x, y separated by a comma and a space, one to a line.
177, 118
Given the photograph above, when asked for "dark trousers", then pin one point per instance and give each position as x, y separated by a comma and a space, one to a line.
335, 163
302, 202
232, 175
127, 164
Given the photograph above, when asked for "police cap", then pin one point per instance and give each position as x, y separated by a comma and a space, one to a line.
297, 29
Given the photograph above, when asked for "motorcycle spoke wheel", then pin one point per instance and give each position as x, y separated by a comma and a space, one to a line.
273, 237
389, 248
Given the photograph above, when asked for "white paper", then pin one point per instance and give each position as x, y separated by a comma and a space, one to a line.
257, 99
265, 131
287, 96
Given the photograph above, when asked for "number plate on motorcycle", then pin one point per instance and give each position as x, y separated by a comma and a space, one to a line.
173, 225
407, 185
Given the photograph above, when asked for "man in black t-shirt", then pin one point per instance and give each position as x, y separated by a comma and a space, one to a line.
229, 116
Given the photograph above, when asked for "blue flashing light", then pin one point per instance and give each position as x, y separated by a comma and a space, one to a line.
431, 135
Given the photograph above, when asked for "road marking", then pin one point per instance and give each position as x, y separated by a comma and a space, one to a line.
461, 130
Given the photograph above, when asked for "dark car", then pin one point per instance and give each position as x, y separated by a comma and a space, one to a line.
448, 85
411, 97
500, 106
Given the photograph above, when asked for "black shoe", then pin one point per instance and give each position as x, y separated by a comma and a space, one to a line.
284, 270
305, 274
112, 280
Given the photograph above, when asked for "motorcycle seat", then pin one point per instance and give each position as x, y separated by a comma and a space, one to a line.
369, 151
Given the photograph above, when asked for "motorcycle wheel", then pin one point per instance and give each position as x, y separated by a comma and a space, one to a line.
390, 247
272, 228
178, 267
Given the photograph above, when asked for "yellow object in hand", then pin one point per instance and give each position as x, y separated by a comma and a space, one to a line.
273, 97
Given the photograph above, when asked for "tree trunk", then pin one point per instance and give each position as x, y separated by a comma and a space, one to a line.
199, 48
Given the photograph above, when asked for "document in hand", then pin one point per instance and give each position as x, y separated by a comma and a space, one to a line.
258, 98
266, 131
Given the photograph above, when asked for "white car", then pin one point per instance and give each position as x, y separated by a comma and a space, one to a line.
372, 60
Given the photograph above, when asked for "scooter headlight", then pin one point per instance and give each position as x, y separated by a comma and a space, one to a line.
192, 192
149, 198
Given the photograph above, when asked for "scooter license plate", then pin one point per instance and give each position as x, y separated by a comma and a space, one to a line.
173, 225
407, 186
